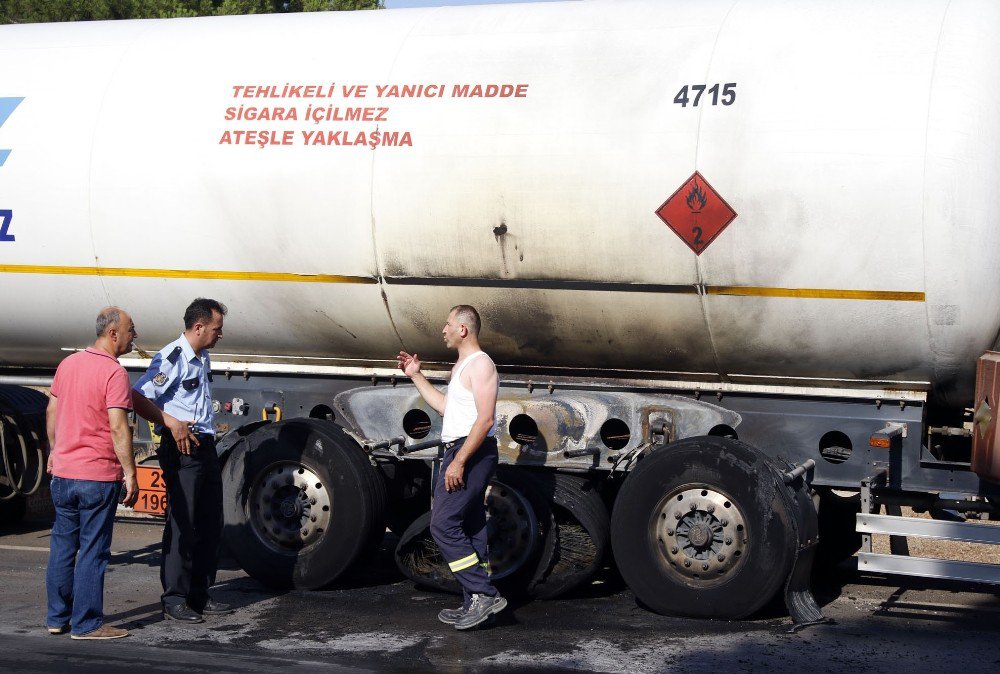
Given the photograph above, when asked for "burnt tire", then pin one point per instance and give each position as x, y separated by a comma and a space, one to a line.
302, 504
702, 528
520, 527
420, 560
580, 537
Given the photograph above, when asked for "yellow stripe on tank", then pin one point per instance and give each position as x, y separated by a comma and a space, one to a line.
817, 293
136, 272
526, 284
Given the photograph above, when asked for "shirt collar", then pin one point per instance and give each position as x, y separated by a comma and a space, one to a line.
186, 349
94, 351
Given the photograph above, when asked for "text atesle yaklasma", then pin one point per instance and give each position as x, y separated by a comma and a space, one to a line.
337, 115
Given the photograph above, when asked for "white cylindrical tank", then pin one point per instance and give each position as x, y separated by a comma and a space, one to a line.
522, 153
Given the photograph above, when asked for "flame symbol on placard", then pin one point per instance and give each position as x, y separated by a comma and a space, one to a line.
696, 199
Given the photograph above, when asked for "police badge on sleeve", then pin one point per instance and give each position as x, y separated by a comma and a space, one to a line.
160, 379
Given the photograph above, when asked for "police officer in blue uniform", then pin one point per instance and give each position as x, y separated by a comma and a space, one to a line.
178, 382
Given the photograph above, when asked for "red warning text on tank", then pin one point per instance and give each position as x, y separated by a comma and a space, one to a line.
696, 213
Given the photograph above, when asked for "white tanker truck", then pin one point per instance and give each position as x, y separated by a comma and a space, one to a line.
736, 262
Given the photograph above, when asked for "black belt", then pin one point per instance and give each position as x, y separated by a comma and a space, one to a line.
449, 445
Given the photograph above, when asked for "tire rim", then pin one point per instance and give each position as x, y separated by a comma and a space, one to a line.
512, 527
290, 506
700, 533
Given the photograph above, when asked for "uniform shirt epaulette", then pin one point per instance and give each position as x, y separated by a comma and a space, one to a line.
174, 355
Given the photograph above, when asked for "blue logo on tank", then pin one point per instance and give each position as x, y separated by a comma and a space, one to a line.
7, 106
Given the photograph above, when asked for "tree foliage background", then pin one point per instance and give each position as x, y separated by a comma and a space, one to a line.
37, 11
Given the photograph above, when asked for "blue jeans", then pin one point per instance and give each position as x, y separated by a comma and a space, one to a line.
79, 552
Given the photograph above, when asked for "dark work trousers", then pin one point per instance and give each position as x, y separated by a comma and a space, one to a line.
458, 519
194, 521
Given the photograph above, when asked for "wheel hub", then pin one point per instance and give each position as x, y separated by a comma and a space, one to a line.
512, 529
701, 533
290, 506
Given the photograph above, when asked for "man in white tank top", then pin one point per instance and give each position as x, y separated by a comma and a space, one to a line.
458, 518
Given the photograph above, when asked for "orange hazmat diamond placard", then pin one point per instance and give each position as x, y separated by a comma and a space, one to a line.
696, 213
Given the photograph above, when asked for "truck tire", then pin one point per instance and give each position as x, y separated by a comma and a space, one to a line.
701, 529
520, 538
581, 535
419, 559
302, 503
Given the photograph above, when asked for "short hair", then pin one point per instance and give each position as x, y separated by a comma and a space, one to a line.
467, 314
201, 311
108, 318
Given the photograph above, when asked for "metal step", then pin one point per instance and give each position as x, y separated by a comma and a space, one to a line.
970, 532
925, 567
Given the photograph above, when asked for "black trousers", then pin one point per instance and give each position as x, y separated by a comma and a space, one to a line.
194, 521
458, 519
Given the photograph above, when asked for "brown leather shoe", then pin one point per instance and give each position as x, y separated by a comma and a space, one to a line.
102, 632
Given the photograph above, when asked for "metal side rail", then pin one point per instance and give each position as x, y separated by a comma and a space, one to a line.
925, 567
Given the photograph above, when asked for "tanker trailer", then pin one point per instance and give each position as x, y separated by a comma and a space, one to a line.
729, 255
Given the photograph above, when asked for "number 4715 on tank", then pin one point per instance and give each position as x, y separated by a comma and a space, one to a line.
728, 96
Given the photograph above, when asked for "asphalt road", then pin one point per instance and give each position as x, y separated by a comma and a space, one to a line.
379, 621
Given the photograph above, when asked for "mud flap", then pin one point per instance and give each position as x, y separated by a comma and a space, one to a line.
799, 600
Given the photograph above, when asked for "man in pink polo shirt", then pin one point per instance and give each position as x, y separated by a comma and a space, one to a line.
91, 441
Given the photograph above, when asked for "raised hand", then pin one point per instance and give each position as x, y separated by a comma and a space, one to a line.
410, 365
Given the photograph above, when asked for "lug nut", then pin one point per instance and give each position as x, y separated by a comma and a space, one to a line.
694, 506
725, 523
721, 558
729, 541
312, 519
670, 532
704, 567
674, 550
710, 508
687, 562
312, 501
677, 516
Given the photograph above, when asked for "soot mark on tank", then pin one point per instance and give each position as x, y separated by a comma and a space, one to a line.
902, 368
504, 238
500, 234
322, 313
393, 268
419, 320
528, 325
